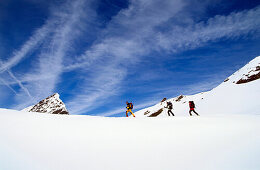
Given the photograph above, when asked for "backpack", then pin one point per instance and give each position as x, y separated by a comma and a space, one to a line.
192, 105
131, 106
169, 105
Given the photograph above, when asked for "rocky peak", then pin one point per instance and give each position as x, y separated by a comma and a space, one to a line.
248, 73
52, 104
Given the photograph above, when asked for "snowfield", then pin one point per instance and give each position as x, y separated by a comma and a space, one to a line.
37, 141
225, 137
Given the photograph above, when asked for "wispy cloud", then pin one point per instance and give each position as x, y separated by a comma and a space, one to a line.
5, 83
27, 79
28, 47
19, 55
133, 34
52, 57
55, 38
128, 38
98, 87
16, 81
117, 50
20, 84
196, 35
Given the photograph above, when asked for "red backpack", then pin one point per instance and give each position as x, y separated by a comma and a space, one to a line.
192, 105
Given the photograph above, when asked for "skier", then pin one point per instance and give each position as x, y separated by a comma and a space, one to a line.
169, 106
192, 106
129, 107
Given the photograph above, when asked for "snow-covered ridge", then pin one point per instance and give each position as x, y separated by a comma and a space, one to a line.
52, 104
238, 94
248, 73
180, 104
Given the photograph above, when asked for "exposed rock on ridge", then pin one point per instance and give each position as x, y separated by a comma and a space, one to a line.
52, 104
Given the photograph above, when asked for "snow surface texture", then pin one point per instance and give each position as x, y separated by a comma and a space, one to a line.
228, 98
34, 141
51, 104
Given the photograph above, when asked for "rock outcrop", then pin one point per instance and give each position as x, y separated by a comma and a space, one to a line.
52, 105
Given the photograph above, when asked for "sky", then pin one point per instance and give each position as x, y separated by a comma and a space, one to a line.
98, 54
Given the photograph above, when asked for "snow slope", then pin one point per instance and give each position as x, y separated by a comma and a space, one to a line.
238, 94
34, 141
225, 137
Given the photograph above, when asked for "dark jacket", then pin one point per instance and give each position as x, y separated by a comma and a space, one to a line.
169, 105
129, 106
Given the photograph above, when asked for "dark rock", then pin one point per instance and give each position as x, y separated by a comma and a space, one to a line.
51, 104
156, 113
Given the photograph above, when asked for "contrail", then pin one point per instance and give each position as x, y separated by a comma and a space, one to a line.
5, 83
28, 46
20, 84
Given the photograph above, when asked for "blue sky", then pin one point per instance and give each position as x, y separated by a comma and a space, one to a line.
97, 54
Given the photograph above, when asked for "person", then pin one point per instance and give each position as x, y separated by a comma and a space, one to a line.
192, 108
169, 106
129, 107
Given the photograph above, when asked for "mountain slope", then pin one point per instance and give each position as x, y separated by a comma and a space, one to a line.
225, 137
238, 94
52, 104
